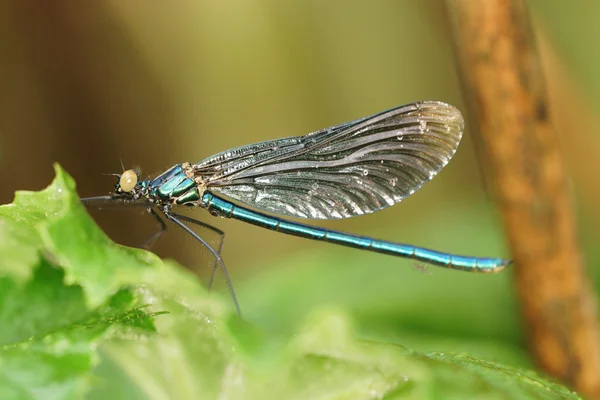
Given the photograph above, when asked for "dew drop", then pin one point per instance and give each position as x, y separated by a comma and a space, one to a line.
422, 126
393, 181
365, 172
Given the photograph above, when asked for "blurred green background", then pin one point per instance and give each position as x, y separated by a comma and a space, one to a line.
154, 84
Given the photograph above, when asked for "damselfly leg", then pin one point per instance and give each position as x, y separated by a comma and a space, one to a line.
219, 249
172, 217
163, 228
178, 219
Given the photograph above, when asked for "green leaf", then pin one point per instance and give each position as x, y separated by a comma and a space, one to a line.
200, 358
27, 311
82, 317
54, 222
48, 337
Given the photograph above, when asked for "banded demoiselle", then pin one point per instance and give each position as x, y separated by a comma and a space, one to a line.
343, 171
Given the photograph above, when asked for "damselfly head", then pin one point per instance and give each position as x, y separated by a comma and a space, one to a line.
127, 181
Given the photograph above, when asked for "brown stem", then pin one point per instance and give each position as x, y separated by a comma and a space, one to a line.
503, 83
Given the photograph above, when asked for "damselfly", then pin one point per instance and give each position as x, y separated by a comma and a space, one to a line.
350, 169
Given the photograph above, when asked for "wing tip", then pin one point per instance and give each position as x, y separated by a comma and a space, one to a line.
450, 112
448, 116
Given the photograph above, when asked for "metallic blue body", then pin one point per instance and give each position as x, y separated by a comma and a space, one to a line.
221, 207
355, 168
173, 185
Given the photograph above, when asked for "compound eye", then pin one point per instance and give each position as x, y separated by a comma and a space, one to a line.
128, 181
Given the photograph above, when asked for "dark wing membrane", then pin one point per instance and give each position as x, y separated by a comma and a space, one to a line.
346, 170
